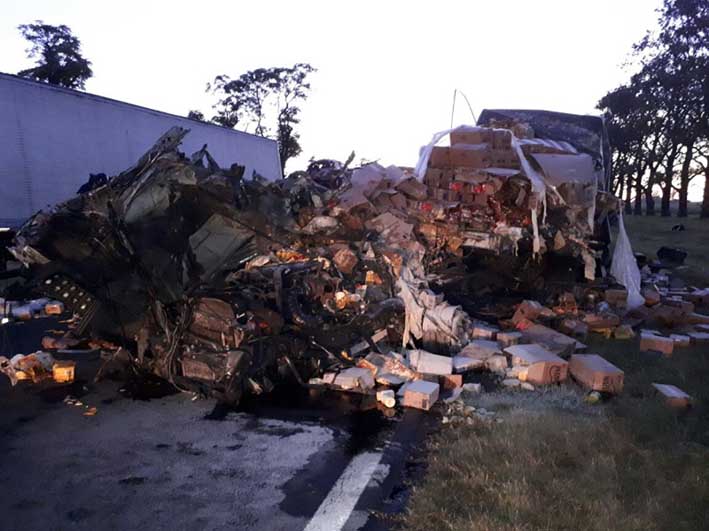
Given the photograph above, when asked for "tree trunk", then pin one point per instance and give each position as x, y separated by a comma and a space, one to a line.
684, 181
620, 186
628, 192
649, 202
638, 207
666, 211
705, 199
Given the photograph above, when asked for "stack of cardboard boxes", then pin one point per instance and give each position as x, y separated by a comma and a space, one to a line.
468, 170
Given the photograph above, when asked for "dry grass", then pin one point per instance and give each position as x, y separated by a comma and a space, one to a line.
558, 471
557, 463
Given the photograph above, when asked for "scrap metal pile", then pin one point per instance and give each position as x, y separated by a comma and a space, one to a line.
223, 284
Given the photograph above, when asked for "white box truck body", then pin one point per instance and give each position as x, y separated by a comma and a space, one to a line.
52, 138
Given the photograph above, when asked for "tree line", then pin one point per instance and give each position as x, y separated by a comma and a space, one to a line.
267, 99
658, 122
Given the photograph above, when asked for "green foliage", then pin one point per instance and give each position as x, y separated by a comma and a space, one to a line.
661, 116
58, 56
196, 115
267, 98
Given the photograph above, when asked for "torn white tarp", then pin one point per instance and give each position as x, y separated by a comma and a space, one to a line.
624, 267
428, 315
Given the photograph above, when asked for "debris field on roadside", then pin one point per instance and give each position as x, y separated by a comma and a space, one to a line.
224, 284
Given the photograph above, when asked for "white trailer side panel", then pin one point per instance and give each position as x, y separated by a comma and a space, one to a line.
52, 138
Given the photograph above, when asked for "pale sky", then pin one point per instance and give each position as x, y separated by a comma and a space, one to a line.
386, 69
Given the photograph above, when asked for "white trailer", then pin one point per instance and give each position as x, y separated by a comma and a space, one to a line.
52, 138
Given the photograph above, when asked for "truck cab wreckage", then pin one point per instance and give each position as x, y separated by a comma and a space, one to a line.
222, 283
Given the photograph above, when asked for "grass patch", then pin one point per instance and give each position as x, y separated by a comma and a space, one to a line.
558, 463
558, 471
648, 233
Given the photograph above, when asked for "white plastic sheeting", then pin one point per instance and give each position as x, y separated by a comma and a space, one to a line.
624, 267
425, 152
428, 313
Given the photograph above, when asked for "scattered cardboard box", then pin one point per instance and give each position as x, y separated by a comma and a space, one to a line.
63, 371
673, 396
484, 331
656, 343
428, 363
543, 367
556, 342
464, 364
480, 349
355, 377
507, 338
420, 394
681, 340
450, 381
698, 337
596, 373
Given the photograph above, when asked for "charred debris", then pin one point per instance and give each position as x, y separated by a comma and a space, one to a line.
224, 284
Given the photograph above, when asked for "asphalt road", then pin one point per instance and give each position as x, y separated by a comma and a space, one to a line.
292, 460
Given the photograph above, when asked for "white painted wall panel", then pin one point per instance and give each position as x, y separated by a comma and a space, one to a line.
52, 138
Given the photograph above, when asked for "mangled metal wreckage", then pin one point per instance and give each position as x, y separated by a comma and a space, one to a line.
223, 284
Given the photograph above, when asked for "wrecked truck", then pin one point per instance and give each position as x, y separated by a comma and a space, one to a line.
531, 190
223, 283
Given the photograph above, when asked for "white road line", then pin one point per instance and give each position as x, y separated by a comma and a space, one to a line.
337, 507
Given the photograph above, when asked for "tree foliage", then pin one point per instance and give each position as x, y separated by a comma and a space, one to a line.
196, 115
659, 120
268, 99
57, 54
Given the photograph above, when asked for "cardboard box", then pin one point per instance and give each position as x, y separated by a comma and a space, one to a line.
464, 364
470, 156
527, 309
480, 349
440, 157
698, 337
413, 189
594, 372
601, 321
673, 396
507, 339
681, 340
355, 378
618, 298
484, 331
555, 342
504, 158
450, 381
471, 135
428, 363
432, 178
420, 394
656, 343
543, 367
698, 318
501, 139
63, 371
54, 308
